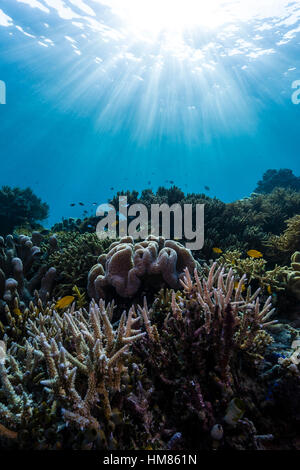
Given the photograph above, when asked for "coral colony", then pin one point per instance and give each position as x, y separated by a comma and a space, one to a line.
139, 342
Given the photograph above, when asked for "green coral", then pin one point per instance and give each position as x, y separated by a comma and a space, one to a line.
283, 178
274, 280
20, 207
282, 246
73, 259
294, 275
243, 224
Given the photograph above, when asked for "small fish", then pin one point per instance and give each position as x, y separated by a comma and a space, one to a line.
17, 312
85, 212
72, 205
207, 188
2, 352
254, 254
269, 290
171, 181
217, 250
111, 189
236, 285
149, 182
114, 224
95, 204
64, 302
89, 226
81, 203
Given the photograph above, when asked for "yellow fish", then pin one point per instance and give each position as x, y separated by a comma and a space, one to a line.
254, 254
236, 284
269, 290
114, 224
64, 302
17, 311
217, 250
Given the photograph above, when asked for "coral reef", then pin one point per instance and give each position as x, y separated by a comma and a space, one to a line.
188, 373
20, 207
73, 258
123, 344
77, 363
86, 225
281, 247
204, 362
127, 263
241, 225
23, 270
293, 279
283, 178
274, 280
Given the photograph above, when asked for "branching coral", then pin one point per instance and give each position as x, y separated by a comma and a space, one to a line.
78, 360
220, 301
22, 270
282, 246
274, 280
128, 263
200, 355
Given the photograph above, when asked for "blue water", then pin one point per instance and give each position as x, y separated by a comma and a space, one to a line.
96, 101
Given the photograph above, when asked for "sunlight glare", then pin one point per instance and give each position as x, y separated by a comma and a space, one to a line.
157, 16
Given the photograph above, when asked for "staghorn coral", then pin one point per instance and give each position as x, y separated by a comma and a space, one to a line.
198, 359
78, 361
127, 264
215, 294
22, 270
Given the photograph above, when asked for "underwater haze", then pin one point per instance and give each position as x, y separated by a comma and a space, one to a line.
109, 95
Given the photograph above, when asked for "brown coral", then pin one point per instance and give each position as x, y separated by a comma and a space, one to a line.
128, 263
22, 269
294, 275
